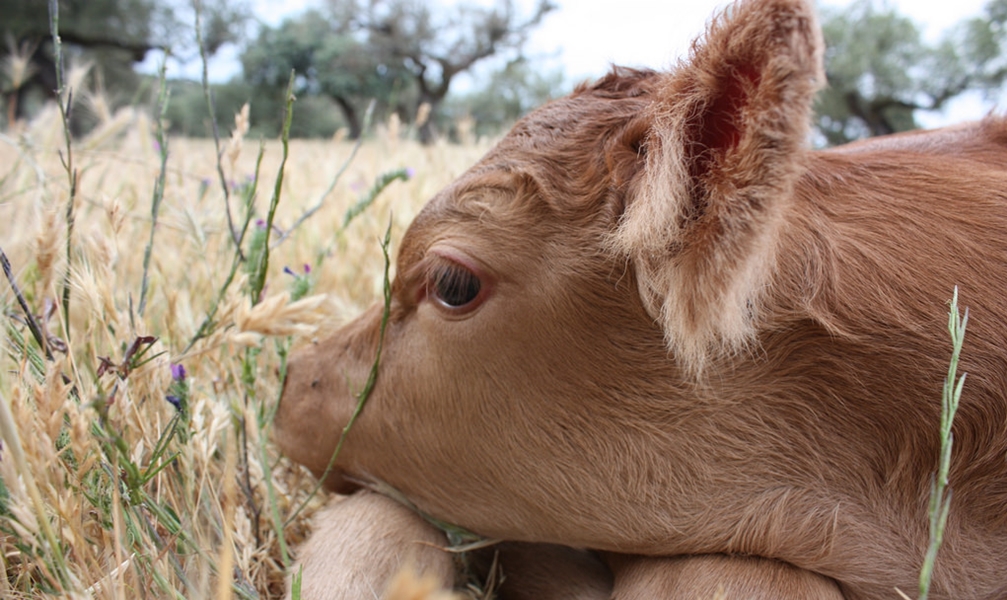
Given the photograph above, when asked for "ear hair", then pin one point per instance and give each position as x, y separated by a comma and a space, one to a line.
728, 134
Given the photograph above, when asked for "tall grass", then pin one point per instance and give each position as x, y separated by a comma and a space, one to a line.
136, 459
141, 463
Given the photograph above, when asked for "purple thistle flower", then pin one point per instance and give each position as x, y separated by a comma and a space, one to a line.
292, 273
174, 401
178, 372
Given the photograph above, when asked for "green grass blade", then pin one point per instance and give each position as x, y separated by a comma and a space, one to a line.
940, 493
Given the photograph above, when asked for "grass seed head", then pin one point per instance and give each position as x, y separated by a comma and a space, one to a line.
76, 76
70, 430
241, 125
47, 244
17, 65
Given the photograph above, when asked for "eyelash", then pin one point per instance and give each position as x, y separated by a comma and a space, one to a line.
453, 286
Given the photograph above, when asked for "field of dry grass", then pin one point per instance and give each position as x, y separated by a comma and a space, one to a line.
144, 466
137, 389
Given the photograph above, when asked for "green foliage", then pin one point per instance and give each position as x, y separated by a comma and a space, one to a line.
436, 46
403, 54
881, 71
162, 143
372, 376
981, 43
111, 36
295, 585
367, 199
330, 61
302, 283
261, 264
316, 116
125, 24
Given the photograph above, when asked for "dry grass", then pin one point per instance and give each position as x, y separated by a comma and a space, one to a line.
143, 499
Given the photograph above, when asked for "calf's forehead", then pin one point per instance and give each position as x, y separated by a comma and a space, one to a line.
561, 162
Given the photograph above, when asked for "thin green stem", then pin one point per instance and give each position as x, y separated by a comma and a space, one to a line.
940, 493
365, 201
33, 325
197, 7
207, 325
332, 185
372, 377
259, 274
274, 509
64, 99
155, 205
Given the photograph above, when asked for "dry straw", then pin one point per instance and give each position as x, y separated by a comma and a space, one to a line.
137, 458
149, 469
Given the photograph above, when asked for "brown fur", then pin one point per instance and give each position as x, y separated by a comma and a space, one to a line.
696, 337
368, 546
717, 577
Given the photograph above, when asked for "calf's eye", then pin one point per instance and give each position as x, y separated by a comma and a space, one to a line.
454, 286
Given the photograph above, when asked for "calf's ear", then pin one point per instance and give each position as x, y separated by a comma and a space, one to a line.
728, 134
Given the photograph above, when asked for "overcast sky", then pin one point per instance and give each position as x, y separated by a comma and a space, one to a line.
584, 37
592, 33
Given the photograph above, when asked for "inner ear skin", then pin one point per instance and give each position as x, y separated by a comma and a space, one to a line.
713, 132
720, 127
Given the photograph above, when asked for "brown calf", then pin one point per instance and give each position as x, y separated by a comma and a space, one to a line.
652, 322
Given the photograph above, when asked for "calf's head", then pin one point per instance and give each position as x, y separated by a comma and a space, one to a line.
595, 261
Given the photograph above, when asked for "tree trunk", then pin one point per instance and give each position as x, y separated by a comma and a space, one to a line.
350, 115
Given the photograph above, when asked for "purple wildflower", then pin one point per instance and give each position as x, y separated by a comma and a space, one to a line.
178, 372
260, 223
292, 273
174, 401
410, 172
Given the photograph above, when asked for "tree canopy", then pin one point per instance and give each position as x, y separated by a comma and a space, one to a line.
435, 47
407, 56
404, 53
881, 71
330, 58
111, 34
